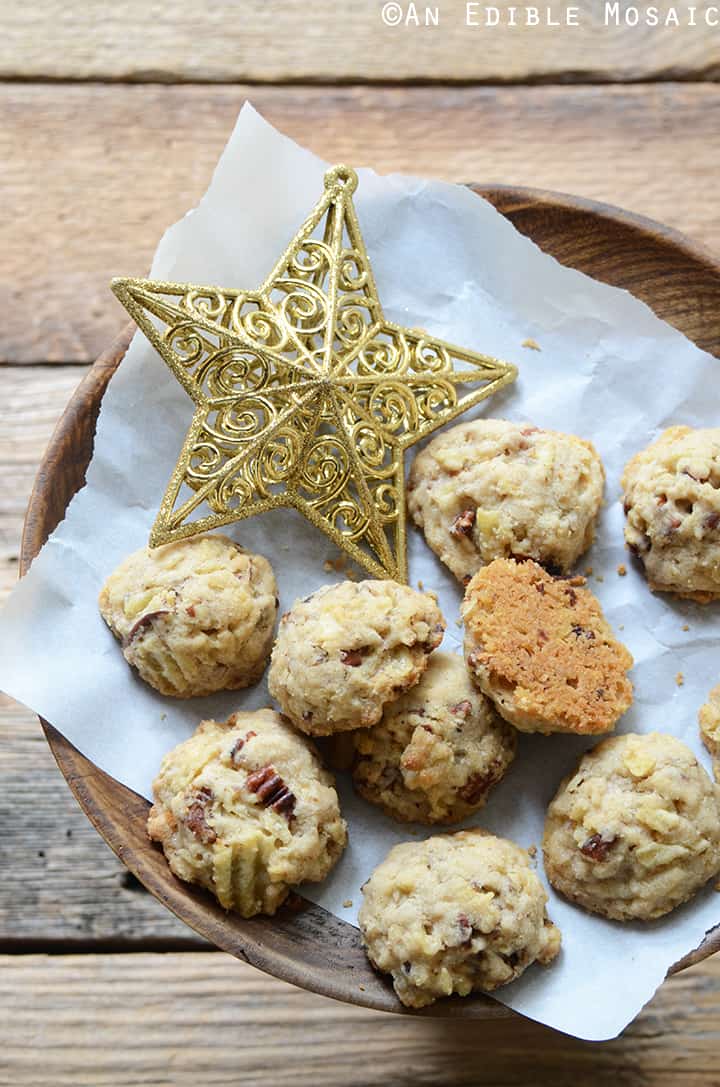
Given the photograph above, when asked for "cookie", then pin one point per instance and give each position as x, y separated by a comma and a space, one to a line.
193, 617
672, 506
437, 751
245, 809
710, 728
455, 913
541, 649
348, 650
635, 831
492, 489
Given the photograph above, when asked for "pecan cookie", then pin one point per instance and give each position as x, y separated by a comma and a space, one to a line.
492, 489
541, 649
245, 809
455, 914
193, 617
672, 504
635, 831
346, 651
437, 751
710, 728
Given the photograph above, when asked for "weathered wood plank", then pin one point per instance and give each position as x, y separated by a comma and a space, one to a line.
61, 884
92, 175
200, 1018
283, 40
31, 401
67, 887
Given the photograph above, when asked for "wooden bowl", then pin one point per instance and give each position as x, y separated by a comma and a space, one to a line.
307, 945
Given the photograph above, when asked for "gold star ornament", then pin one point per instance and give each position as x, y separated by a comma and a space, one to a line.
305, 395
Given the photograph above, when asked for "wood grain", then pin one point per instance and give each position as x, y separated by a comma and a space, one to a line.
67, 889
198, 1018
92, 175
307, 945
31, 401
281, 40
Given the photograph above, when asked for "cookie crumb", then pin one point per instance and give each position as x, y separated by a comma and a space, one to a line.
588, 571
622, 570
458, 622
679, 679
421, 586
361, 988
163, 717
686, 626
347, 903
335, 566
532, 344
599, 577
532, 851
621, 627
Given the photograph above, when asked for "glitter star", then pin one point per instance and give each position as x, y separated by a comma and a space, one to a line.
305, 395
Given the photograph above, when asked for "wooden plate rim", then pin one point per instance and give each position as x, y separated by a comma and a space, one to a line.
196, 909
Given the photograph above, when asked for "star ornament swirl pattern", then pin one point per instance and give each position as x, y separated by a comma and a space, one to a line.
305, 396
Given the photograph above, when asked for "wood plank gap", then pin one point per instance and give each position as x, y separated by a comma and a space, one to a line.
135, 158
106, 947
12, 364
573, 78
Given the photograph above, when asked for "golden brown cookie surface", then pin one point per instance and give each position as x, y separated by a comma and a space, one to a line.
541, 649
455, 913
245, 809
347, 650
709, 718
672, 506
193, 617
635, 831
437, 751
492, 489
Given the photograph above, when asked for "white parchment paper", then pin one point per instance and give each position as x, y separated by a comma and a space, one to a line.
609, 370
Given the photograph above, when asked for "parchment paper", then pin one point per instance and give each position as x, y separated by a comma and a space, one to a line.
609, 370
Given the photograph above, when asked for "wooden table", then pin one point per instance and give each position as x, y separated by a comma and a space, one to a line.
114, 117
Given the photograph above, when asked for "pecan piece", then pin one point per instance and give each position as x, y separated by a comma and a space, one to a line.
271, 790
712, 520
196, 820
475, 787
239, 745
475, 657
462, 709
583, 632
352, 657
463, 524
144, 621
597, 847
641, 548
465, 928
